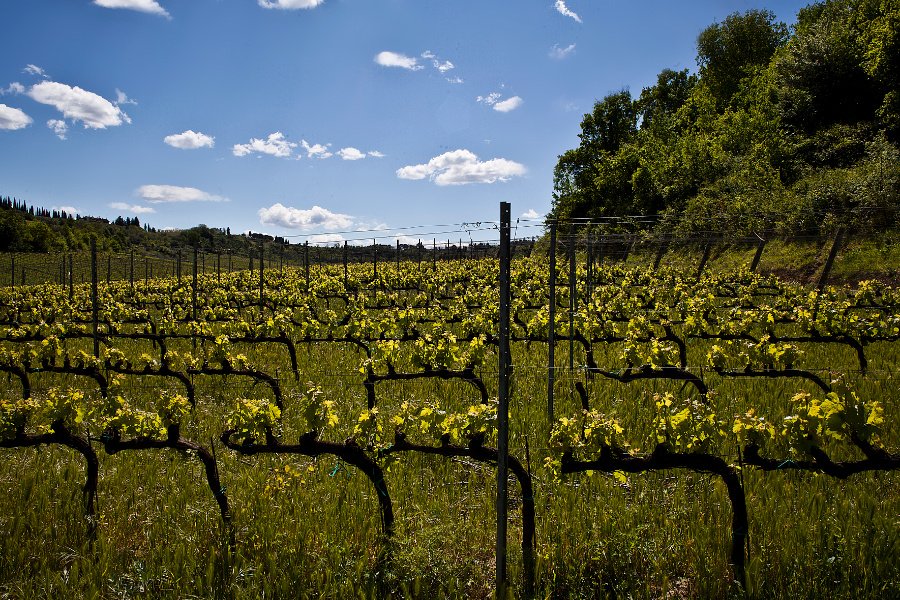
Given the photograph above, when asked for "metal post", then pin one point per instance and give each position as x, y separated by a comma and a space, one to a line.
261, 274
71, 279
572, 291
94, 298
503, 409
306, 262
374, 260
551, 332
194, 287
434, 255
398, 257
345, 263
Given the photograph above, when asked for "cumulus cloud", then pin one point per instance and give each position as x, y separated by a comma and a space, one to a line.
455, 79
190, 140
508, 104
94, 112
531, 214
35, 70
136, 209
394, 59
559, 53
460, 167
58, 127
306, 219
316, 150
376, 154
13, 118
14, 88
493, 100
274, 145
146, 6
562, 9
351, 153
290, 4
174, 193
71, 210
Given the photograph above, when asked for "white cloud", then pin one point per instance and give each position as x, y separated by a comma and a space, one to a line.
274, 145
146, 6
122, 98
14, 88
562, 9
531, 214
444, 66
71, 210
298, 218
13, 118
316, 150
94, 112
509, 104
350, 153
132, 208
460, 167
290, 4
558, 53
35, 70
376, 154
394, 59
491, 99
174, 193
190, 140
455, 79
58, 127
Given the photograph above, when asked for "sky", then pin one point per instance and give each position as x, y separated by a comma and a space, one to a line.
322, 120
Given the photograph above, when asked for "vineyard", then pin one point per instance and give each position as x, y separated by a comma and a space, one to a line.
330, 430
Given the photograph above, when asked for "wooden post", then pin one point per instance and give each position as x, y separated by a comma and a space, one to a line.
829, 262
758, 255
707, 248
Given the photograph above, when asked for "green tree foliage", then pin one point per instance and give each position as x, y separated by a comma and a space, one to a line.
728, 51
775, 131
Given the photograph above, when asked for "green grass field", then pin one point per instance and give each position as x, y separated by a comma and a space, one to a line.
310, 528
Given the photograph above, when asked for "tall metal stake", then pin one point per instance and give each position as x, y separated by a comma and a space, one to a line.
572, 290
503, 409
94, 297
551, 336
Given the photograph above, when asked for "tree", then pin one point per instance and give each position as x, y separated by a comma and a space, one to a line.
611, 124
728, 51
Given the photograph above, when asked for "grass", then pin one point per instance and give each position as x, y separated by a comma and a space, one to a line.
309, 528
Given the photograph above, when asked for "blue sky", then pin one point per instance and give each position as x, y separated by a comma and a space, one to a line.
309, 117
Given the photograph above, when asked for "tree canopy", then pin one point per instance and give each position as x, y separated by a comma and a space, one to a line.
779, 128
